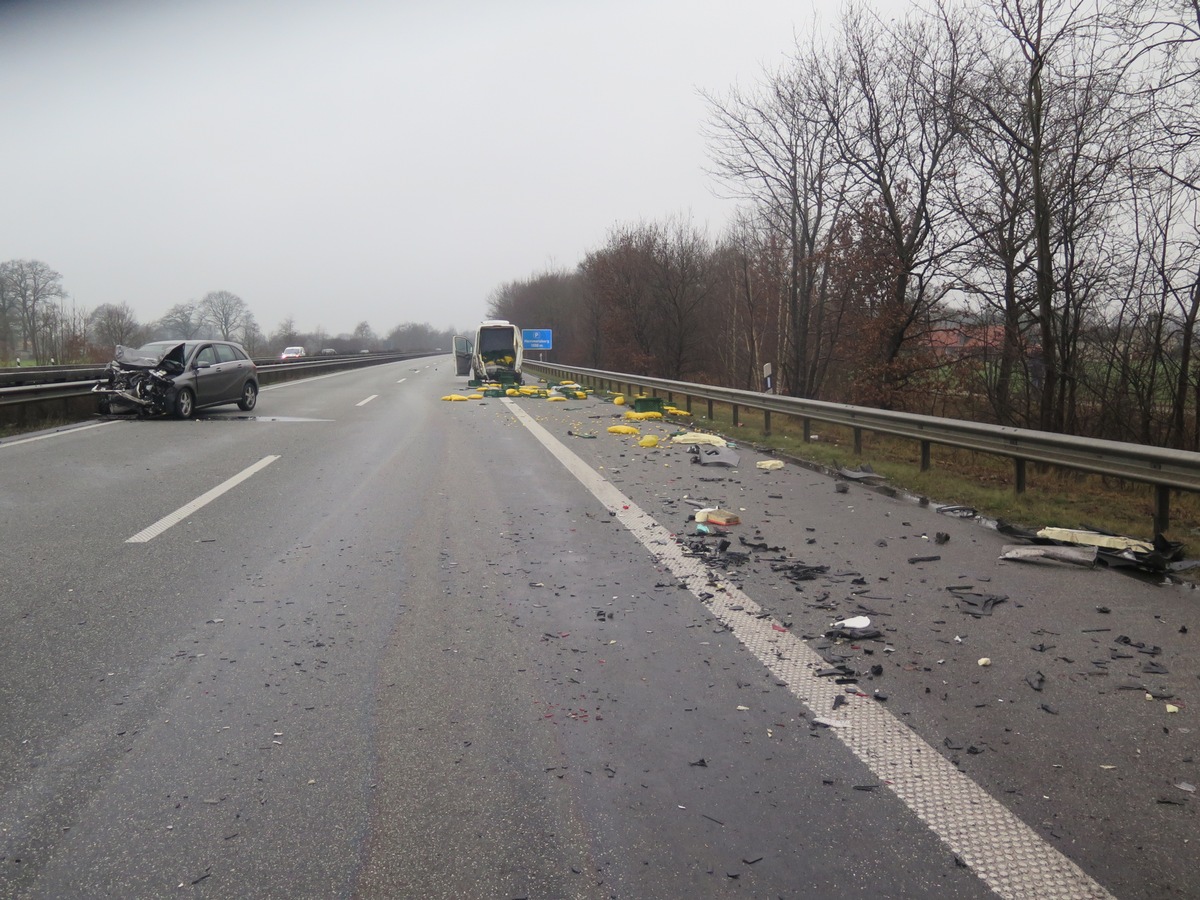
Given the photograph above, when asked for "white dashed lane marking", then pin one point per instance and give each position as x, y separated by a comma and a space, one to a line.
1002, 850
203, 500
366, 401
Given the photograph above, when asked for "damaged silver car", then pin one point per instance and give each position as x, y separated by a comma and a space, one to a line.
178, 377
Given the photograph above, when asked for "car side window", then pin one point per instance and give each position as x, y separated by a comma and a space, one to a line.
225, 353
207, 355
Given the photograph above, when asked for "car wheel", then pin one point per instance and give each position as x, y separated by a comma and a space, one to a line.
185, 403
249, 396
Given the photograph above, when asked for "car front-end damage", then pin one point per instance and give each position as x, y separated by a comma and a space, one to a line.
137, 383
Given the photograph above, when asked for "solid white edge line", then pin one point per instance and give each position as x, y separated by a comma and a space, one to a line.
1004, 852
368, 400
43, 437
203, 500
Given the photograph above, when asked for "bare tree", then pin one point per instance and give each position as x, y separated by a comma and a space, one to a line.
893, 98
31, 287
225, 312
114, 324
776, 147
184, 321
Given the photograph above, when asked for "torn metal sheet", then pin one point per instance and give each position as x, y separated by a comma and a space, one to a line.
1158, 559
716, 456
1080, 556
863, 474
1095, 539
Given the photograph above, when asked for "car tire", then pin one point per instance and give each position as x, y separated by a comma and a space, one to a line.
185, 403
249, 396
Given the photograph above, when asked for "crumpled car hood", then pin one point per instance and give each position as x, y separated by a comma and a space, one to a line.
132, 358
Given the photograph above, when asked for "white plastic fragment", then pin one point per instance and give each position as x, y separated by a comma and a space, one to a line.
985, 661
854, 622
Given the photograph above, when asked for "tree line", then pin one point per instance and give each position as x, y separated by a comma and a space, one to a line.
38, 319
989, 210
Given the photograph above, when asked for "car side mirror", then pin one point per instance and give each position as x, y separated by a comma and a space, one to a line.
203, 365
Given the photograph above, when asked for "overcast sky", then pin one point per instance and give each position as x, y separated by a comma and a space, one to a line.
348, 160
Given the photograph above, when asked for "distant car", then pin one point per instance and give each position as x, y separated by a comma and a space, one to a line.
364, 351
292, 353
178, 377
329, 351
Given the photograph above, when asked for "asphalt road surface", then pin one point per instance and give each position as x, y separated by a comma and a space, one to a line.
367, 643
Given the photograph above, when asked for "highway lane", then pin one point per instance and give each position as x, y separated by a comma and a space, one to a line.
413, 656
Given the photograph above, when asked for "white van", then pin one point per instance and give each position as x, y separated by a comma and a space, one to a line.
499, 352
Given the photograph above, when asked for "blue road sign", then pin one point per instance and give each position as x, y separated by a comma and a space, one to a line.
537, 338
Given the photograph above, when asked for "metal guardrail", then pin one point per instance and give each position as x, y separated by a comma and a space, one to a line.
1164, 468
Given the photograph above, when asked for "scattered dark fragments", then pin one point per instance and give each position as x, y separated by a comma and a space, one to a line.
842, 671
865, 787
839, 701
1042, 648
751, 862
1036, 680
700, 763
1046, 707
799, 571
1139, 646
923, 559
761, 546
1150, 667
1103, 609
941, 538
951, 744
976, 604
854, 634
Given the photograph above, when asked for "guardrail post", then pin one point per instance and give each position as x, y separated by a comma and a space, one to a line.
857, 441
924, 456
1162, 508
710, 410
736, 423
689, 404
766, 422
1019, 475
807, 430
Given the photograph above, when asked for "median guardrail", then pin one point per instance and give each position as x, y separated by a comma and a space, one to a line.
33, 395
1164, 468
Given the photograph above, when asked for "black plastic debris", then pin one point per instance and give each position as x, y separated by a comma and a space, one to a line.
840, 671
1151, 667
976, 604
700, 763
1046, 707
849, 633
941, 538
1036, 680
799, 571
760, 546
923, 559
